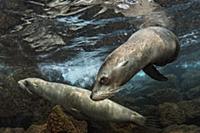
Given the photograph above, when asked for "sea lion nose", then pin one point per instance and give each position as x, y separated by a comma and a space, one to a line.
91, 95
95, 97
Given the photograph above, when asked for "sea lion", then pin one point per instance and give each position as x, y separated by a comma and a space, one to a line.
144, 49
77, 102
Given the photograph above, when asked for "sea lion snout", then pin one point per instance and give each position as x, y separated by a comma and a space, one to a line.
29, 84
97, 95
21, 84
96, 92
100, 96
101, 92
24, 84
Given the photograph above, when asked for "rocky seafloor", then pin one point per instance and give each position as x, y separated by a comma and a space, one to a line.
30, 34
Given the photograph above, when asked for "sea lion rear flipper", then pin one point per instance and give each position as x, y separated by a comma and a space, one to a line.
151, 71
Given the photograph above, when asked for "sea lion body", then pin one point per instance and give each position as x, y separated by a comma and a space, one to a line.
145, 48
77, 102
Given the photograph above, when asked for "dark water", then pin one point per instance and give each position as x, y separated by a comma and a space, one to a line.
89, 39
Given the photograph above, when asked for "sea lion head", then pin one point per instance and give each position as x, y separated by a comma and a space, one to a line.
104, 87
31, 85
112, 74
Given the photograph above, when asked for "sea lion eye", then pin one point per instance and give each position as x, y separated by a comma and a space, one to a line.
104, 80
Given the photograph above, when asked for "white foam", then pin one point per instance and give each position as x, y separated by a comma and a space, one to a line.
190, 38
123, 6
75, 22
186, 65
80, 70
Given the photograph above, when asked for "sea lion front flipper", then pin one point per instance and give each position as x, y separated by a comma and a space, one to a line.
151, 71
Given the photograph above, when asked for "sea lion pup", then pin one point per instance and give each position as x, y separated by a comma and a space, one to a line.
144, 49
77, 102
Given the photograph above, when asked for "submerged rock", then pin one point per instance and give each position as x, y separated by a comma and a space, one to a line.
59, 122
7, 22
165, 95
36, 129
182, 129
170, 114
12, 130
191, 110
120, 128
179, 113
193, 93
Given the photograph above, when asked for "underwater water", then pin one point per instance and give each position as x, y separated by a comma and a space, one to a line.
70, 48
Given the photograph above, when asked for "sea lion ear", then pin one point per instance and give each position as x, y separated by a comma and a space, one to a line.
123, 63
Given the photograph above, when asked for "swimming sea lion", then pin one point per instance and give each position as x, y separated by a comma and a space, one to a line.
144, 49
77, 102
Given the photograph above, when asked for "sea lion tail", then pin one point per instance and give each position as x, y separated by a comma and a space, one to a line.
152, 121
151, 124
